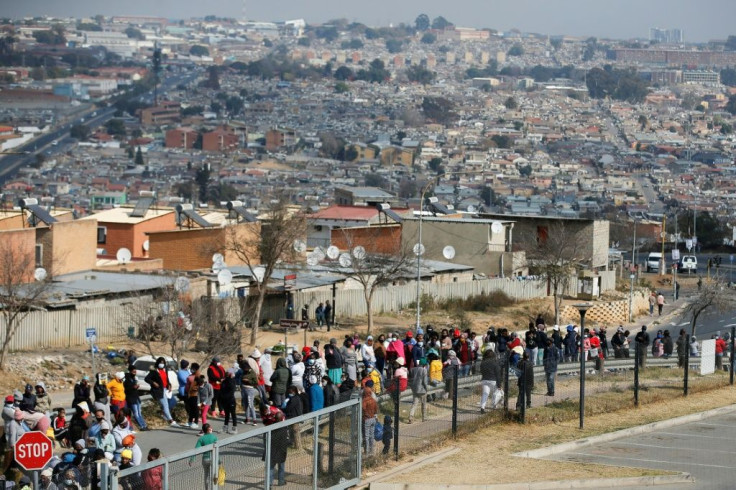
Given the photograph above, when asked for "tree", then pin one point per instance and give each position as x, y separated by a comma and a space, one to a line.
712, 294
428, 38
407, 189
421, 23
80, 131
516, 50
199, 50
88, 26
440, 23
342, 87
202, 178
394, 45
115, 127
643, 121
343, 73
55, 35
139, 157
134, 33
234, 105
553, 253
435, 164
511, 104
18, 295
273, 243
375, 180
440, 109
487, 195
304, 42
728, 77
731, 105
419, 74
374, 263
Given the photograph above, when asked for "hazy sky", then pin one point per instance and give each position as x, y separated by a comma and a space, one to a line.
701, 19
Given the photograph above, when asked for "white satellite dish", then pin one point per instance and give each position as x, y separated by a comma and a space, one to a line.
449, 252
497, 227
259, 272
419, 249
300, 246
40, 274
146, 245
359, 252
218, 257
333, 252
345, 260
181, 284
123, 256
312, 260
224, 277
319, 253
471, 209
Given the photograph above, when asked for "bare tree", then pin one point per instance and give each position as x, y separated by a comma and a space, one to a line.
19, 293
553, 253
265, 247
376, 260
712, 294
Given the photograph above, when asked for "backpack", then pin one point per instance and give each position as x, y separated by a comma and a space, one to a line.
378, 431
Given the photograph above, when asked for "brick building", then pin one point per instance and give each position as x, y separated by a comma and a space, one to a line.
119, 228
167, 112
181, 138
224, 138
277, 139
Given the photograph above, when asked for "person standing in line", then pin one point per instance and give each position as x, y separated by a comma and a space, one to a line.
419, 385
668, 344
660, 303
206, 439
132, 397
550, 361
370, 412
490, 373
216, 375
319, 315
328, 315
158, 380
526, 370
205, 395
642, 345
227, 399
191, 397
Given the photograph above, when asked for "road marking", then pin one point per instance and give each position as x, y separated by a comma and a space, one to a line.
589, 457
670, 447
730, 426
696, 435
683, 324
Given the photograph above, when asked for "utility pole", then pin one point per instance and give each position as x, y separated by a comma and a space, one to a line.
633, 251
664, 237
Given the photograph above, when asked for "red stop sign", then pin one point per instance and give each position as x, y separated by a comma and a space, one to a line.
33, 450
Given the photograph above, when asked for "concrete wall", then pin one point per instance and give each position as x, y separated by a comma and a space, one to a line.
132, 236
17, 252
69, 246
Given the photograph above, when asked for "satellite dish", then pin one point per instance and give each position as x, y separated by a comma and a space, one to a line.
40, 274
123, 256
146, 245
224, 277
300, 246
359, 252
471, 209
345, 260
259, 272
449, 252
319, 253
312, 260
217, 258
497, 227
419, 249
181, 284
333, 252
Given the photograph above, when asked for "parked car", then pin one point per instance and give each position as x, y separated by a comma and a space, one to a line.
653, 261
145, 364
689, 264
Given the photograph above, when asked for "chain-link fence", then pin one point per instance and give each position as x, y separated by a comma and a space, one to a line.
313, 451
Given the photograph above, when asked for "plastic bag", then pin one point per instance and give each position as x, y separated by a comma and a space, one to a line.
221, 475
378, 431
497, 397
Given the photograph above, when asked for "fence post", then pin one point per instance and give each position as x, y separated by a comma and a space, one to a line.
105, 483
687, 365
454, 398
215, 475
636, 376
522, 394
331, 444
315, 453
397, 413
730, 358
357, 418
268, 443
506, 385
166, 475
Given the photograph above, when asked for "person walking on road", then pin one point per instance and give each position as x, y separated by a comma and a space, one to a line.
660, 303
652, 302
642, 345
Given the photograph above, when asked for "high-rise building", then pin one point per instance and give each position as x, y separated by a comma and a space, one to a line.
667, 36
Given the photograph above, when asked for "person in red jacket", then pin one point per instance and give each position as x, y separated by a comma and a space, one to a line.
215, 375
720, 349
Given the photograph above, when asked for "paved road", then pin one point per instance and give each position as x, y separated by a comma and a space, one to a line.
704, 449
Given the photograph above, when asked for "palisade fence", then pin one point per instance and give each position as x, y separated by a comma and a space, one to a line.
319, 450
66, 328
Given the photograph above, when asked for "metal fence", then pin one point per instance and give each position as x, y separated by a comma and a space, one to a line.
313, 451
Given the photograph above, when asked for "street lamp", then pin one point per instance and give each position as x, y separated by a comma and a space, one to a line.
418, 251
631, 298
582, 309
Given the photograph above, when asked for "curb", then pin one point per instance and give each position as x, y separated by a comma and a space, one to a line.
612, 436
417, 463
636, 481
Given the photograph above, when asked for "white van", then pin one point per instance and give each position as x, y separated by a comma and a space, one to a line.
689, 264
653, 261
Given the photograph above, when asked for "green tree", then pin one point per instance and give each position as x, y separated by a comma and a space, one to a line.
501, 141
643, 121
344, 73
115, 127
435, 164
134, 33
202, 178
511, 104
394, 45
731, 105
80, 131
516, 50
731, 43
199, 50
88, 26
139, 157
342, 87
728, 77
304, 42
440, 23
428, 38
419, 74
234, 105
487, 195
440, 109
421, 23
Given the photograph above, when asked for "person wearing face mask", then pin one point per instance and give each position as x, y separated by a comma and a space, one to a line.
312, 373
216, 375
316, 396
69, 482
419, 351
45, 482
158, 379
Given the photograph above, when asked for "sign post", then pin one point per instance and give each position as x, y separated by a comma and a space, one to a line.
289, 323
33, 451
91, 335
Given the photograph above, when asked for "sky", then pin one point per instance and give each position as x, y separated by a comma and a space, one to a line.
702, 20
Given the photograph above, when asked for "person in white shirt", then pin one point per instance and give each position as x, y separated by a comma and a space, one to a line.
369, 357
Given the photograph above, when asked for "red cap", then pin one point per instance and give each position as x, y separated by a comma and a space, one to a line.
409, 334
9, 399
306, 350
457, 332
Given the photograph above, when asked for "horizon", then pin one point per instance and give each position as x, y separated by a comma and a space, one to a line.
569, 17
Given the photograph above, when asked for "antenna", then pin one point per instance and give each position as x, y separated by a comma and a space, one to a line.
123, 256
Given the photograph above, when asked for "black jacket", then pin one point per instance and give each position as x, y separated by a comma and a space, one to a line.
153, 376
130, 384
227, 390
293, 407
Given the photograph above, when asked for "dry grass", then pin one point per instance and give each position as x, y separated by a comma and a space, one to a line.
491, 442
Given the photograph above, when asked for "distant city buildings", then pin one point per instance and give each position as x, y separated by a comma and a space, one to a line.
667, 36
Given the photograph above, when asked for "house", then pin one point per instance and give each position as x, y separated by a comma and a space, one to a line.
362, 196
223, 138
181, 138
278, 139
166, 112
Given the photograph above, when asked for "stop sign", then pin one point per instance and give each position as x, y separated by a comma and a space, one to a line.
33, 450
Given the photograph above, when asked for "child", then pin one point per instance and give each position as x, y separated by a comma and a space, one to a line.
205, 394
61, 431
388, 433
